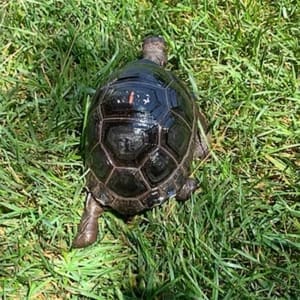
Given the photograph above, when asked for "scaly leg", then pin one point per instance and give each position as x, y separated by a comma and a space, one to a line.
187, 189
88, 227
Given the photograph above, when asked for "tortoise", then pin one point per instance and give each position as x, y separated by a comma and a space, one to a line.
141, 136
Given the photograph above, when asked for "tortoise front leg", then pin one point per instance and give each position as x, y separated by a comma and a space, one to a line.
88, 227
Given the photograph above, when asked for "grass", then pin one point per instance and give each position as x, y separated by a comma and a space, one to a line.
237, 237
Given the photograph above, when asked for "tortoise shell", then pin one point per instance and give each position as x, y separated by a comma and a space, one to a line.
140, 138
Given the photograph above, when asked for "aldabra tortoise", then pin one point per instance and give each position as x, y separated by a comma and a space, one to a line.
141, 136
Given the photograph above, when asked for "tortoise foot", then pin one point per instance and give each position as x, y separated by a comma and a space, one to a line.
88, 227
187, 189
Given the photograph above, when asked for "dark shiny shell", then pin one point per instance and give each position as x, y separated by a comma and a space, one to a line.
139, 138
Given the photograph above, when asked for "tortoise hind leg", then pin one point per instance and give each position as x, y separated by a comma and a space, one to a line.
201, 151
202, 140
88, 227
187, 189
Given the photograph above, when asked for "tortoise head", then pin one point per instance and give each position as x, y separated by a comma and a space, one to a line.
154, 49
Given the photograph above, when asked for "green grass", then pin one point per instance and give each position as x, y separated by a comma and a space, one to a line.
237, 237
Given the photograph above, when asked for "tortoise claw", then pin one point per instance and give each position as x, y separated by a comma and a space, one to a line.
88, 227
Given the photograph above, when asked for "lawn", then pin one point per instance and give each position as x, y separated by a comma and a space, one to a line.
238, 237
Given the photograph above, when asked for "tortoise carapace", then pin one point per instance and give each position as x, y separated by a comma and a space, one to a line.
141, 136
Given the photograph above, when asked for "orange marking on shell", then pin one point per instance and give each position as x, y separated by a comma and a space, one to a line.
131, 97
